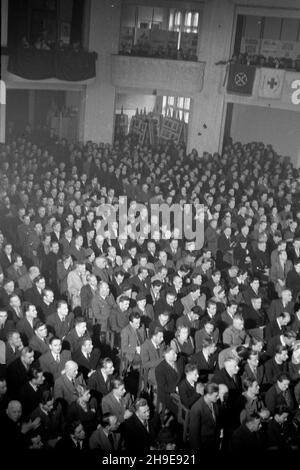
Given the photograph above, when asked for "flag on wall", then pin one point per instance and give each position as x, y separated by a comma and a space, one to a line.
271, 83
241, 78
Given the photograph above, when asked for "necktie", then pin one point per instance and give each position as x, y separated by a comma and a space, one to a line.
212, 412
111, 440
57, 358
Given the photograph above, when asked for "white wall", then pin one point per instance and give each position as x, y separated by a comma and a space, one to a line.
280, 128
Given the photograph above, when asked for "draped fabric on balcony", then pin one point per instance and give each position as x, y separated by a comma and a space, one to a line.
33, 64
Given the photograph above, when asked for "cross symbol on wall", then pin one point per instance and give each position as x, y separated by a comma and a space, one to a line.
272, 83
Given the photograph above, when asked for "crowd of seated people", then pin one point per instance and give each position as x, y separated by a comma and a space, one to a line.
260, 60
117, 339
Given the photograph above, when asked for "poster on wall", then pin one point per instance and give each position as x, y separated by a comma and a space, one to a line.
288, 49
250, 46
270, 47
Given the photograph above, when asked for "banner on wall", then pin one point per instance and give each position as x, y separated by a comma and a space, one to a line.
241, 78
271, 83
291, 88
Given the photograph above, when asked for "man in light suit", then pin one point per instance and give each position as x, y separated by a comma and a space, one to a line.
116, 402
53, 362
132, 337
65, 385
16, 269
75, 281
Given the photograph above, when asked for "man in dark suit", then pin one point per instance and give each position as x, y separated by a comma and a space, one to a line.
246, 437
53, 362
277, 326
285, 304
205, 423
31, 392
139, 431
168, 375
17, 371
61, 322
189, 389
286, 339
229, 377
25, 326
141, 282
74, 439
152, 354
276, 365
73, 339
293, 279
104, 437
280, 395
87, 358
206, 359
39, 342
99, 383
34, 295
252, 369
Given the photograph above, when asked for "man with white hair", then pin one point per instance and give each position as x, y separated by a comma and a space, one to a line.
65, 385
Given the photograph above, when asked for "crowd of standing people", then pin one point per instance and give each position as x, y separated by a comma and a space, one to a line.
136, 338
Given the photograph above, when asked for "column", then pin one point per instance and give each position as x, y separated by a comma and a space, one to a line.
4, 23
207, 109
100, 95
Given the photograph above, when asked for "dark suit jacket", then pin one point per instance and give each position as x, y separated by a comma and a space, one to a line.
72, 341
235, 388
187, 393
274, 398
151, 357
272, 370
86, 365
11, 355
29, 398
272, 330
277, 307
33, 296
97, 385
16, 377
59, 328
249, 374
167, 380
25, 329
50, 366
136, 435
204, 367
99, 440
40, 347
245, 440
204, 430
67, 446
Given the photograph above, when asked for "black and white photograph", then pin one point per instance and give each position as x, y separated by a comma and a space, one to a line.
149, 232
